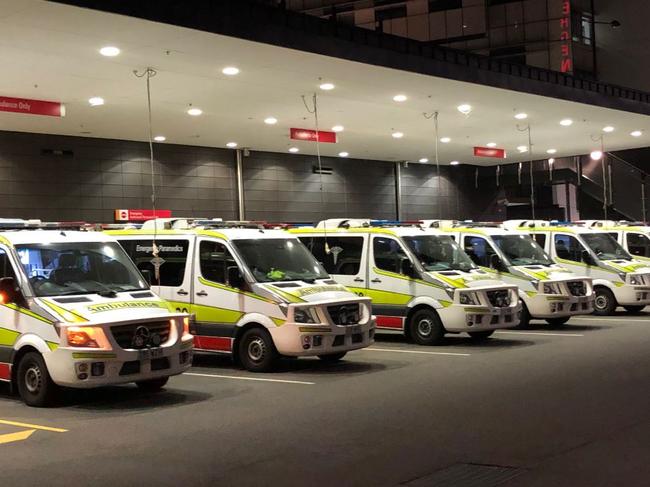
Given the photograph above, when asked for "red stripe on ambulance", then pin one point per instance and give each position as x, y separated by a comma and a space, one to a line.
395, 322
222, 344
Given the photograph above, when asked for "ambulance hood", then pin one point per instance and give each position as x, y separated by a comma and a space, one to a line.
304, 292
543, 273
461, 279
626, 266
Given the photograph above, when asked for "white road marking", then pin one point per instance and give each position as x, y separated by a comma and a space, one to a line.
540, 333
415, 351
612, 318
282, 381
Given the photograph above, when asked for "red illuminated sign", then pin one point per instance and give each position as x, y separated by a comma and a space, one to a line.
310, 135
566, 63
489, 152
140, 215
32, 107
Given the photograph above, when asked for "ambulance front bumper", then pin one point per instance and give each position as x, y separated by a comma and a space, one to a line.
481, 313
559, 306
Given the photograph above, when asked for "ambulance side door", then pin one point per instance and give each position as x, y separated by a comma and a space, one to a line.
480, 251
637, 244
343, 256
568, 251
173, 279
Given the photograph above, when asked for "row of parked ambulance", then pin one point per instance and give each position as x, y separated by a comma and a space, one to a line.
90, 308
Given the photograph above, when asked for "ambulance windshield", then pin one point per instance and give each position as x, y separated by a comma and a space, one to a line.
605, 247
60, 269
439, 253
279, 259
521, 250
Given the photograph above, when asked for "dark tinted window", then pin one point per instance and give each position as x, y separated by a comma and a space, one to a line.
173, 252
344, 256
638, 244
6, 269
214, 260
540, 238
389, 255
568, 248
479, 250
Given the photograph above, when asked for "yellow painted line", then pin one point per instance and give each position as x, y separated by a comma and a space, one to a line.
34, 426
543, 333
282, 381
11, 437
396, 350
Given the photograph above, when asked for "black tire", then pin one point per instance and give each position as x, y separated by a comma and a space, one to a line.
605, 302
425, 328
480, 336
152, 385
332, 357
35, 385
634, 309
524, 317
557, 321
256, 351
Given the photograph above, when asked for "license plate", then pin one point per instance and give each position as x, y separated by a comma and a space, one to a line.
351, 330
150, 353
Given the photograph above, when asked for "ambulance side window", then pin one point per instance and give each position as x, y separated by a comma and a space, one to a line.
568, 247
479, 250
344, 256
638, 244
214, 260
6, 269
173, 252
389, 254
540, 238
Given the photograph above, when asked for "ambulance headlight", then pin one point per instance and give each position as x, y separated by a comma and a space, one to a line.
550, 288
636, 280
86, 337
304, 315
468, 298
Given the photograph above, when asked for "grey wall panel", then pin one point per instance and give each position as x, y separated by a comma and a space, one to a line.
102, 175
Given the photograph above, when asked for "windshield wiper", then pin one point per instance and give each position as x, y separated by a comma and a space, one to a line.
107, 294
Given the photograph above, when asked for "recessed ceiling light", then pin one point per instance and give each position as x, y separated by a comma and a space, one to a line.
400, 98
109, 51
521, 116
96, 101
636, 133
608, 129
343, 154
423, 160
491, 144
454, 163
522, 148
294, 149
231, 144
397, 135
464, 108
566, 122
270, 120
230, 70
160, 138
596, 155
195, 112
338, 128
551, 151
327, 86
445, 140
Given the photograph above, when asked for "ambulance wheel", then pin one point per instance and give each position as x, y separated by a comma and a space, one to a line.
256, 350
332, 357
524, 317
152, 385
480, 336
605, 302
634, 309
425, 328
35, 385
557, 321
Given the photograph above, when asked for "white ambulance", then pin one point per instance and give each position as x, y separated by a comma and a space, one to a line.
632, 236
420, 281
548, 291
618, 278
75, 312
255, 293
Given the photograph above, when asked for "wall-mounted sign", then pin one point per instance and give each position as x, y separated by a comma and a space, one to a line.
489, 152
32, 107
310, 135
140, 215
566, 63
559, 28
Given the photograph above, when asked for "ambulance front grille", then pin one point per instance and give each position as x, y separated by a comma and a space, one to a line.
141, 335
577, 288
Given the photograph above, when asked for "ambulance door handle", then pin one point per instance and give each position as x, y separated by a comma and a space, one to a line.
376, 280
359, 279
201, 293
182, 292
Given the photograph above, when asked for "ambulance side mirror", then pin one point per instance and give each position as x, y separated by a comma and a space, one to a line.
408, 269
586, 257
496, 263
235, 279
9, 291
